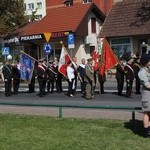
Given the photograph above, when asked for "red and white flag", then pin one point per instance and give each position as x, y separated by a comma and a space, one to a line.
64, 58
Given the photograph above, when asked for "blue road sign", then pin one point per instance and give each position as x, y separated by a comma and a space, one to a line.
47, 48
5, 51
71, 40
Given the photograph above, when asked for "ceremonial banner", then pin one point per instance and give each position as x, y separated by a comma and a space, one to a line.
108, 58
64, 58
26, 67
95, 57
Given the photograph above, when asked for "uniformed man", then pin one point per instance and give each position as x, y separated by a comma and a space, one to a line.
8, 77
129, 73
89, 79
41, 76
16, 78
120, 76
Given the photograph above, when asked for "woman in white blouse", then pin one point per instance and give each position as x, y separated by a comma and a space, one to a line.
71, 79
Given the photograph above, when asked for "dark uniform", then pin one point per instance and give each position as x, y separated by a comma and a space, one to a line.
129, 73
16, 79
101, 79
41, 76
136, 68
120, 78
50, 79
81, 70
8, 77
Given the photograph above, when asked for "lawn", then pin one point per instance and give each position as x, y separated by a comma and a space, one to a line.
20, 132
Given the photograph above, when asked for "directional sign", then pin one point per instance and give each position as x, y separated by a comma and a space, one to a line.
47, 48
5, 51
71, 41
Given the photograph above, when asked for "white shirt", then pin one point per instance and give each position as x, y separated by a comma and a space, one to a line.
70, 73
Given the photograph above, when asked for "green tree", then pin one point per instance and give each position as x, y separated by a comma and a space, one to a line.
11, 16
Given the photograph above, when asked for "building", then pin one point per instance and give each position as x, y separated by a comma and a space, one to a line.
127, 26
56, 26
37, 6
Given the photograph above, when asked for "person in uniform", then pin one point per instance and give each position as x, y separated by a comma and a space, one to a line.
41, 76
75, 66
120, 76
89, 79
144, 75
16, 78
51, 78
81, 70
136, 68
71, 79
129, 74
101, 79
8, 77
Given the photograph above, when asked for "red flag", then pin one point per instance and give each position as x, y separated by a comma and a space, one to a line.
108, 58
64, 58
95, 57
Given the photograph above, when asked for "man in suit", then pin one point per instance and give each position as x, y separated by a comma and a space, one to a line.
89, 78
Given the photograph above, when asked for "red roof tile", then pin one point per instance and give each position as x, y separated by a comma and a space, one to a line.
127, 18
61, 19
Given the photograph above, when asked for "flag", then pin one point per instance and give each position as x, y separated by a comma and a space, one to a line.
95, 57
64, 58
26, 66
108, 58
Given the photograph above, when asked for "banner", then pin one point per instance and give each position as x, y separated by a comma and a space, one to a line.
108, 58
26, 67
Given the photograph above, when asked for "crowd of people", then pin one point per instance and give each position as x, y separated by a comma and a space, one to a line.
49, 78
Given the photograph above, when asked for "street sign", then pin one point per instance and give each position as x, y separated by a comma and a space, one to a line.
47, 48
5, 51
71, 41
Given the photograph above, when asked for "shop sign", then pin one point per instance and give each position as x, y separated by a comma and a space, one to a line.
31, 37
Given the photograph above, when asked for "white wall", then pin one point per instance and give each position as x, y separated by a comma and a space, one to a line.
41, 11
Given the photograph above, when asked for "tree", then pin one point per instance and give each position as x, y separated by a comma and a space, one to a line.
11, 16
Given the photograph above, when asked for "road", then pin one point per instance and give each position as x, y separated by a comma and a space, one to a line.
110, 98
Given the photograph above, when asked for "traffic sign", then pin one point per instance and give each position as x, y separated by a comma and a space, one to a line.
71, 41
47, 48
5, 51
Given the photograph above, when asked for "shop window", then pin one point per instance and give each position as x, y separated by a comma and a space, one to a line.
121, 47
93, 25
39, 5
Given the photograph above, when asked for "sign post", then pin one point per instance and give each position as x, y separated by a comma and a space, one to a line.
71, 44
5, 51
48, 50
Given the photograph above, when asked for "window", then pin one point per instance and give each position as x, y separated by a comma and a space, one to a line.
87, 1
24, 6
93, 25
39, 5
121, 47
31, 6
68, 2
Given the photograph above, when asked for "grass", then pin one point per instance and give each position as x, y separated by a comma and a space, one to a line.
20, 132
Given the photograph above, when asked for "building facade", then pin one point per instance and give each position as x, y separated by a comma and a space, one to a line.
37, 6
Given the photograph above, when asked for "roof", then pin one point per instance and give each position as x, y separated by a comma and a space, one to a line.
127, 18
63, 19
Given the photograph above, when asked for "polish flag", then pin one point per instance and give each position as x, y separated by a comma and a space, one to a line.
63, 60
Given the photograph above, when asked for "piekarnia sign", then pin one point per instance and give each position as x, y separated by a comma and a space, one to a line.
31, 37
